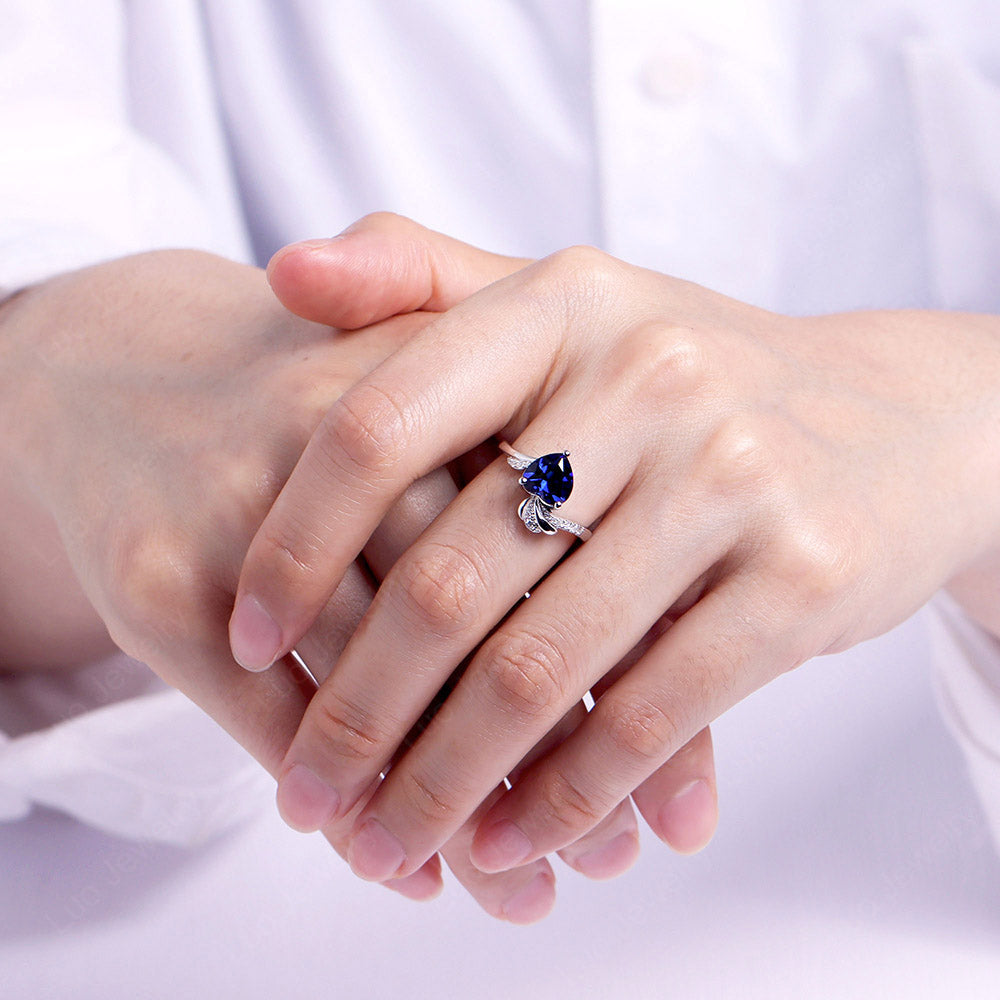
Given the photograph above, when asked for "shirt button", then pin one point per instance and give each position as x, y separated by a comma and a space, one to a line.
675, 73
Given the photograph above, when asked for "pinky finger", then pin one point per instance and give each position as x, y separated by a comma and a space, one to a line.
680, 800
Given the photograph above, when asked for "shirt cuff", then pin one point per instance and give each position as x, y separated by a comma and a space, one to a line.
120, 751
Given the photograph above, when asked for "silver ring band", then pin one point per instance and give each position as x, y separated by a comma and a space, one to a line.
538, 511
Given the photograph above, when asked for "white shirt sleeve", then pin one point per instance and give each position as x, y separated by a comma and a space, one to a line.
82, 180
81, 183
968, 687
113, 746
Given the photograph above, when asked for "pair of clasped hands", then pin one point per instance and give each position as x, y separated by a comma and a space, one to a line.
238, 470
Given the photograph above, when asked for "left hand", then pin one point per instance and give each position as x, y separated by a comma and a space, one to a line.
769, 488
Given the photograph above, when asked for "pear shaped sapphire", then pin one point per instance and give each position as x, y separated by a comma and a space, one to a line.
550, 478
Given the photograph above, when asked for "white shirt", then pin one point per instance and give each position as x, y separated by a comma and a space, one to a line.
804, 156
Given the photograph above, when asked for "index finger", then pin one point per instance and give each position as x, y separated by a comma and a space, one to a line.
423, 406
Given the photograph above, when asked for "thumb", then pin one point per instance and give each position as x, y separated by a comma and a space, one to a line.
379, 267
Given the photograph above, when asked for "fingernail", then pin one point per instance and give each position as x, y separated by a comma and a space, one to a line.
499, 848
611, 859
254, 635
305, 801
687, 821
421, 886
374, 853
531, 902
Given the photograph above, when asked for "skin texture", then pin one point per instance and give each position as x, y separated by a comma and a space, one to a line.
769, 489
156, 407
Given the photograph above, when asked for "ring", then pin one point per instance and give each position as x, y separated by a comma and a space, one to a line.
548, 481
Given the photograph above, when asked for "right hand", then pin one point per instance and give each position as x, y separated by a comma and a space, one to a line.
154, 408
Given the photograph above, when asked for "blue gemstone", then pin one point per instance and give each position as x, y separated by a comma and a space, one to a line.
550, 478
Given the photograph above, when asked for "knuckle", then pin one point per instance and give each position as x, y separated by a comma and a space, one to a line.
425, 799
366, 430
584, 276
639, 729
286, 556
443, 587
717, 669
160, 595
343, 731
738, 458
526, 673
580, 259
670, 363
566, 805
816, 565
